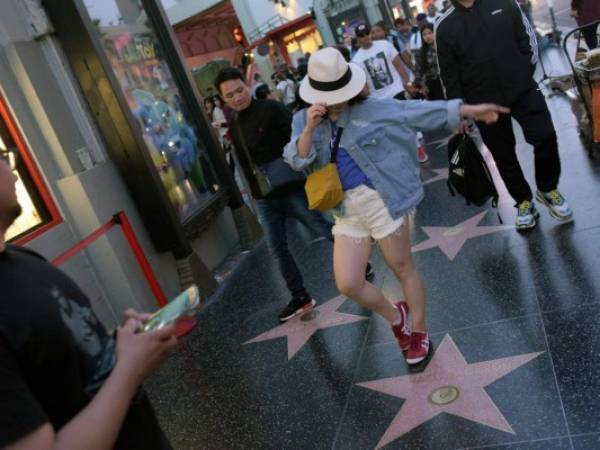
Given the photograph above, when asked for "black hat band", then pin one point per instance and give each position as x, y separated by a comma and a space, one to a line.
331, 85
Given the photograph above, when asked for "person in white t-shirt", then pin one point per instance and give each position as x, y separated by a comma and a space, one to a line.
386, 75
287, 89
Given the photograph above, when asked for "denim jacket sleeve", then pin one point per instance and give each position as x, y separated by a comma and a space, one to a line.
431, 115
290, 152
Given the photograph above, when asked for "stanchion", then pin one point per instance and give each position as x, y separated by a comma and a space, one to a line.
185, 324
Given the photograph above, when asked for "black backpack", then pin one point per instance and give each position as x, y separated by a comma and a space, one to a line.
468, 174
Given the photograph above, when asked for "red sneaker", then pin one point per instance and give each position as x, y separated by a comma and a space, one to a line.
401, 331
419, 347
422, 154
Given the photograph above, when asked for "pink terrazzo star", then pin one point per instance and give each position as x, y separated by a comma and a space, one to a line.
451, 239
441, 174
298, 332
448, 385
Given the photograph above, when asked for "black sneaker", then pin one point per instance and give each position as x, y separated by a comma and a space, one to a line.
369, 273
297, 305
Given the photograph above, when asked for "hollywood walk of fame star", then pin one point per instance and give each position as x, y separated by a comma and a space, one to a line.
448, 385
451, 239
441, 174
299, 330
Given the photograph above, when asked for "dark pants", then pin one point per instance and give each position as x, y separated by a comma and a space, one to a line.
274, 214
531, 112
590, 34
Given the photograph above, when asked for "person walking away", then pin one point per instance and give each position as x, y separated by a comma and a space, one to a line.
287, 91
474, 66
427, 73
380, 177
65, 383
585, 12
264, 128
386, 76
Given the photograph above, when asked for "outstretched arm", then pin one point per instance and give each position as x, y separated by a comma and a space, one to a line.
435, 115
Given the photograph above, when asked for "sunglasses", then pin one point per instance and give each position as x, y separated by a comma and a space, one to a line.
9, 156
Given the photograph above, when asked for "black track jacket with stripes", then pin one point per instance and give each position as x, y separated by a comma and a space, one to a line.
486, 53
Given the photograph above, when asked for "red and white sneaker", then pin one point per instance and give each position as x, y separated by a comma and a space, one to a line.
419, 347
402, 331
422, 154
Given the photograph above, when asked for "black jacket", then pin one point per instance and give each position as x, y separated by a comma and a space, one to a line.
486, 53
265, 127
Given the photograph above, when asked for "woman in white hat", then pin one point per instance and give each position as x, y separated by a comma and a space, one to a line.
380, 177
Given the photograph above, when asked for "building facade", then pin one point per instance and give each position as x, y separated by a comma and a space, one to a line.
260, 34
338, 18
93, 100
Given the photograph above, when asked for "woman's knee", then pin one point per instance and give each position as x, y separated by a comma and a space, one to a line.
402, 267
348, 285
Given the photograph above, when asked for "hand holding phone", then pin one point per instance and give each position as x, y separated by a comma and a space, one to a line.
181, 305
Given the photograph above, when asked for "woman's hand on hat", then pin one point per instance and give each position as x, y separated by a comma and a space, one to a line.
315, 115
485, 112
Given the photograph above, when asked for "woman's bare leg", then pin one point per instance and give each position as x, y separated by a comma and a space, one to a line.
350, 257
397, 255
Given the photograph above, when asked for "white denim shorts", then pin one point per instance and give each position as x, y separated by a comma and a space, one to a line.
364, 215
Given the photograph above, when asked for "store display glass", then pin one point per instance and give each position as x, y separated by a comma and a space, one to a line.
135, 55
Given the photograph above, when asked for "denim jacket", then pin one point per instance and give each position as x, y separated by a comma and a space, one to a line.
380, 136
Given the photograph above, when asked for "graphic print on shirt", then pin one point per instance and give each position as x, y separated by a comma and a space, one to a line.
86, 330
379, 71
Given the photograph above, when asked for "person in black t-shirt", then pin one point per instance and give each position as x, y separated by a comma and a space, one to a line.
64, 382
265, 126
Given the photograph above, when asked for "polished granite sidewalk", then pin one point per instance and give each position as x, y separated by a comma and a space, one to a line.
515, 323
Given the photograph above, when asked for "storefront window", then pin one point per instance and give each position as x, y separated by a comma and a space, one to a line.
135, 55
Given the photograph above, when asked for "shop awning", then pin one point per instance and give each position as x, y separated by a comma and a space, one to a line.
285, 29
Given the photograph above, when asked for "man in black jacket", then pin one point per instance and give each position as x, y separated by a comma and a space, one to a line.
487, 52
264, 127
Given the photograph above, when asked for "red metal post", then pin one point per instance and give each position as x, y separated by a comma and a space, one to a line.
59, 260
121, 219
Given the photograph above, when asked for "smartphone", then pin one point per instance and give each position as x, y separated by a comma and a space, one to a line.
181, 305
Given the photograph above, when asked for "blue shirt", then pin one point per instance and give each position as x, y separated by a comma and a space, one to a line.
350, 174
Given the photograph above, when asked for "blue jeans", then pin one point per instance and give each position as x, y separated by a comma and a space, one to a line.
274, 214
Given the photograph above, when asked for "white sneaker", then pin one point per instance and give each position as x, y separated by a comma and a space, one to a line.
556, 203
527, 215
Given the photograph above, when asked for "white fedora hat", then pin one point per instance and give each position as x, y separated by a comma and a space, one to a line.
330, 79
